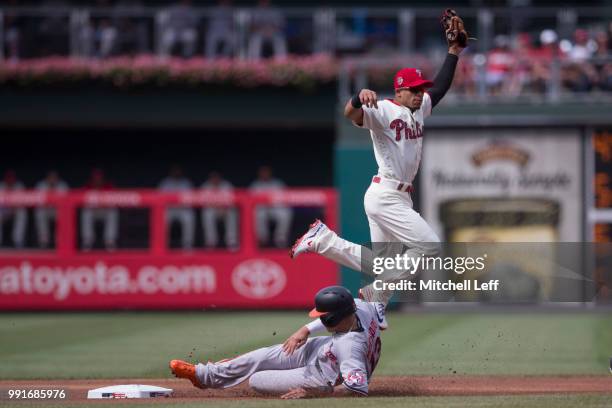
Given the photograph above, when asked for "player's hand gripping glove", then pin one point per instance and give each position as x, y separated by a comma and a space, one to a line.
456, 35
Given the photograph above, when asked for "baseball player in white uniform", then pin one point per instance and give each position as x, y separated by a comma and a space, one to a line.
18, 214
282, 215
176, 181
397, 129
301, 367
210, 215
43, 215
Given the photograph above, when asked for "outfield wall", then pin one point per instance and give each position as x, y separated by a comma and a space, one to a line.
70, 277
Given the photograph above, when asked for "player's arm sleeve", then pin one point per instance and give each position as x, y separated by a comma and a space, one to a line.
316, 326
373, 118
443, 80
353, 369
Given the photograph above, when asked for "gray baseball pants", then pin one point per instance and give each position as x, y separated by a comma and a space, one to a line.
269, 369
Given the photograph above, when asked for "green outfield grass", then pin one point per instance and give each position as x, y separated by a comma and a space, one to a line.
115, 345
525, 401
139, 345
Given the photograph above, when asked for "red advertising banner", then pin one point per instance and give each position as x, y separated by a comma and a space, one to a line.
157, 277
141, 282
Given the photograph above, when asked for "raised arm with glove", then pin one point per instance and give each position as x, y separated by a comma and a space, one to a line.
457, 38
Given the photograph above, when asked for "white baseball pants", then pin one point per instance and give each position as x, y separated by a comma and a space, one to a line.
269, 369
391, 219
210, 215
186, 36
20, 224
186, 218
282, 216
110, 218
257, 41
43, 216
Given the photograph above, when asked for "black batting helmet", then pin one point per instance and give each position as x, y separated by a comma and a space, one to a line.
332, 304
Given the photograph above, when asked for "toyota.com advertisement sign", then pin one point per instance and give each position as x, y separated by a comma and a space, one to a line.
116, 282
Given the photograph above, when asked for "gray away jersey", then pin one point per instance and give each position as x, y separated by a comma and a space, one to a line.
350, 358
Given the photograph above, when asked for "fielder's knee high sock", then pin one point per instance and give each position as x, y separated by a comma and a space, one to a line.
339, 250
370, 294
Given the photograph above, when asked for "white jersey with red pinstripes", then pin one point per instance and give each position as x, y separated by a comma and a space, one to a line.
397, 136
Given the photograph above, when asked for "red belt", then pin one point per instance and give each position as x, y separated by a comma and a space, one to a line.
397, 185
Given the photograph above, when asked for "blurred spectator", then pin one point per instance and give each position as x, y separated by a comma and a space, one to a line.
176, 181
583, 47
44, 215
602, 41
179, 25
17, 214
220, 36
268, 25
115, 32
382, 35
543, 59
133, 33
351, 33
500, 61
53, 30
12, 33
465, 73
602, 66
210, 215
579, 75
549, 44
108, 216
103, 36
606, 77
522, 69
280, 214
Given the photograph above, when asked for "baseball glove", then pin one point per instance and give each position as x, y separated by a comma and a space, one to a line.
454, 29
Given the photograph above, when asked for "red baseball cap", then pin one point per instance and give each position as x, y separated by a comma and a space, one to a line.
410, 78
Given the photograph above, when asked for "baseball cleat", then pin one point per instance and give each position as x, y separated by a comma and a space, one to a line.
183, 369
305, 242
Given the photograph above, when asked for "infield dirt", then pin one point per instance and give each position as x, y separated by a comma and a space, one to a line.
455, 385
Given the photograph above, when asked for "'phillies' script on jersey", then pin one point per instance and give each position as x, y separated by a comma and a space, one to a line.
397, 136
